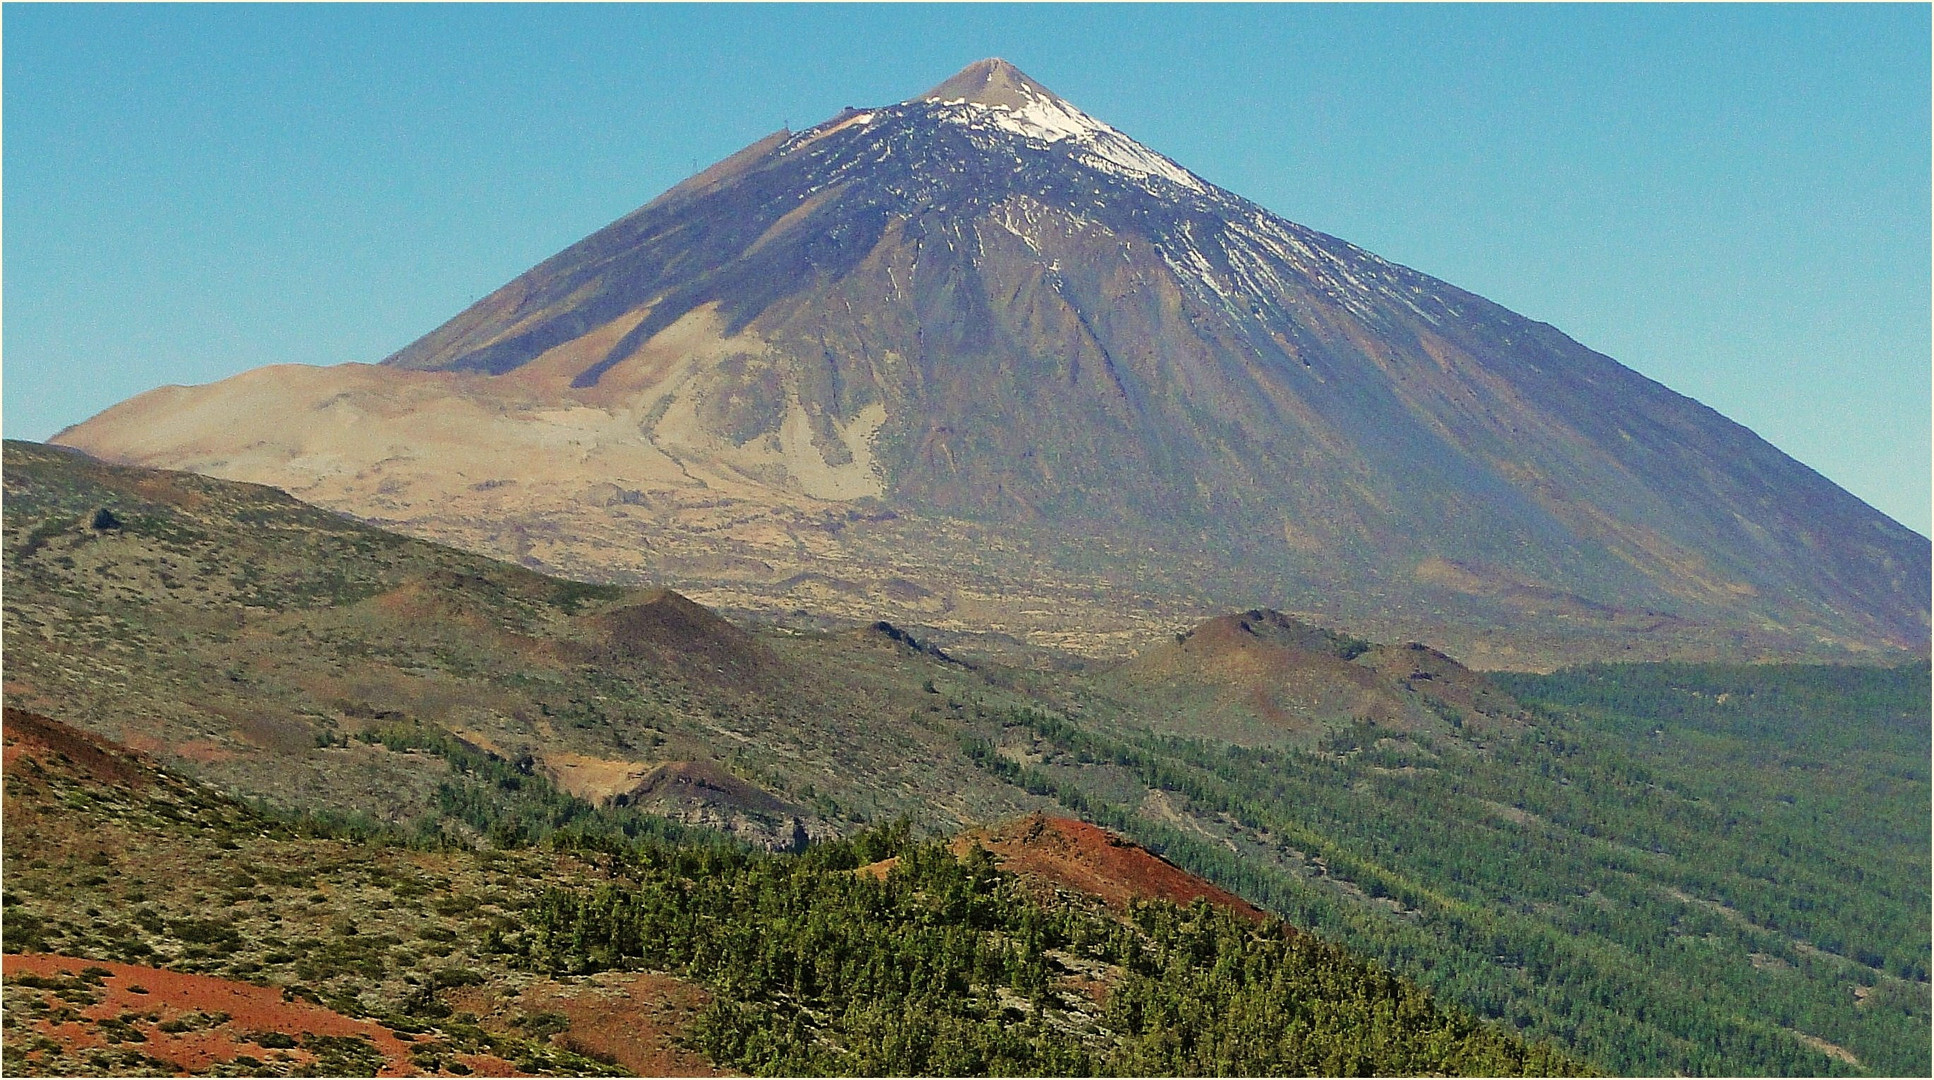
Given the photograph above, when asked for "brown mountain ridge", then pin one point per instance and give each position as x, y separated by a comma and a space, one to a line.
1261, 675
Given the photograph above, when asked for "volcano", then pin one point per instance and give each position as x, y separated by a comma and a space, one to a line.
981, 363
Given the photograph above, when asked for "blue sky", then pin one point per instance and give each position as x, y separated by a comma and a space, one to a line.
1733, 200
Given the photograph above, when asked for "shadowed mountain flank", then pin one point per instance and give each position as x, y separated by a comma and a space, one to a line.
984, 343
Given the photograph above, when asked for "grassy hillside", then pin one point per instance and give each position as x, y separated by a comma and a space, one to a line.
1701, 870
288, 653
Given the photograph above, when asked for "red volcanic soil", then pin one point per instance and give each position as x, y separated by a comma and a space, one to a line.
35, 735
1089, 859
1068, 854
632, 1018
222, 1020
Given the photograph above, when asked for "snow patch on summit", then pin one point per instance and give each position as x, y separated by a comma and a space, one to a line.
1047, 119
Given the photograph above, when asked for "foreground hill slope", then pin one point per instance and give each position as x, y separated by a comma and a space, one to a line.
463, 962
958, 356
156, 928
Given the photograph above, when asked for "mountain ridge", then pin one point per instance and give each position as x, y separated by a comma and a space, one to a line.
1005, 316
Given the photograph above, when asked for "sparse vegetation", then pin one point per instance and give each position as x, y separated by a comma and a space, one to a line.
1660, 868
943, 965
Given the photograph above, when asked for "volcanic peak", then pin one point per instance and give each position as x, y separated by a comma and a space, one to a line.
993, 307
992, 81
995, 94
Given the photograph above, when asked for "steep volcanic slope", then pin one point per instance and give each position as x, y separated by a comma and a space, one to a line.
989, 326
